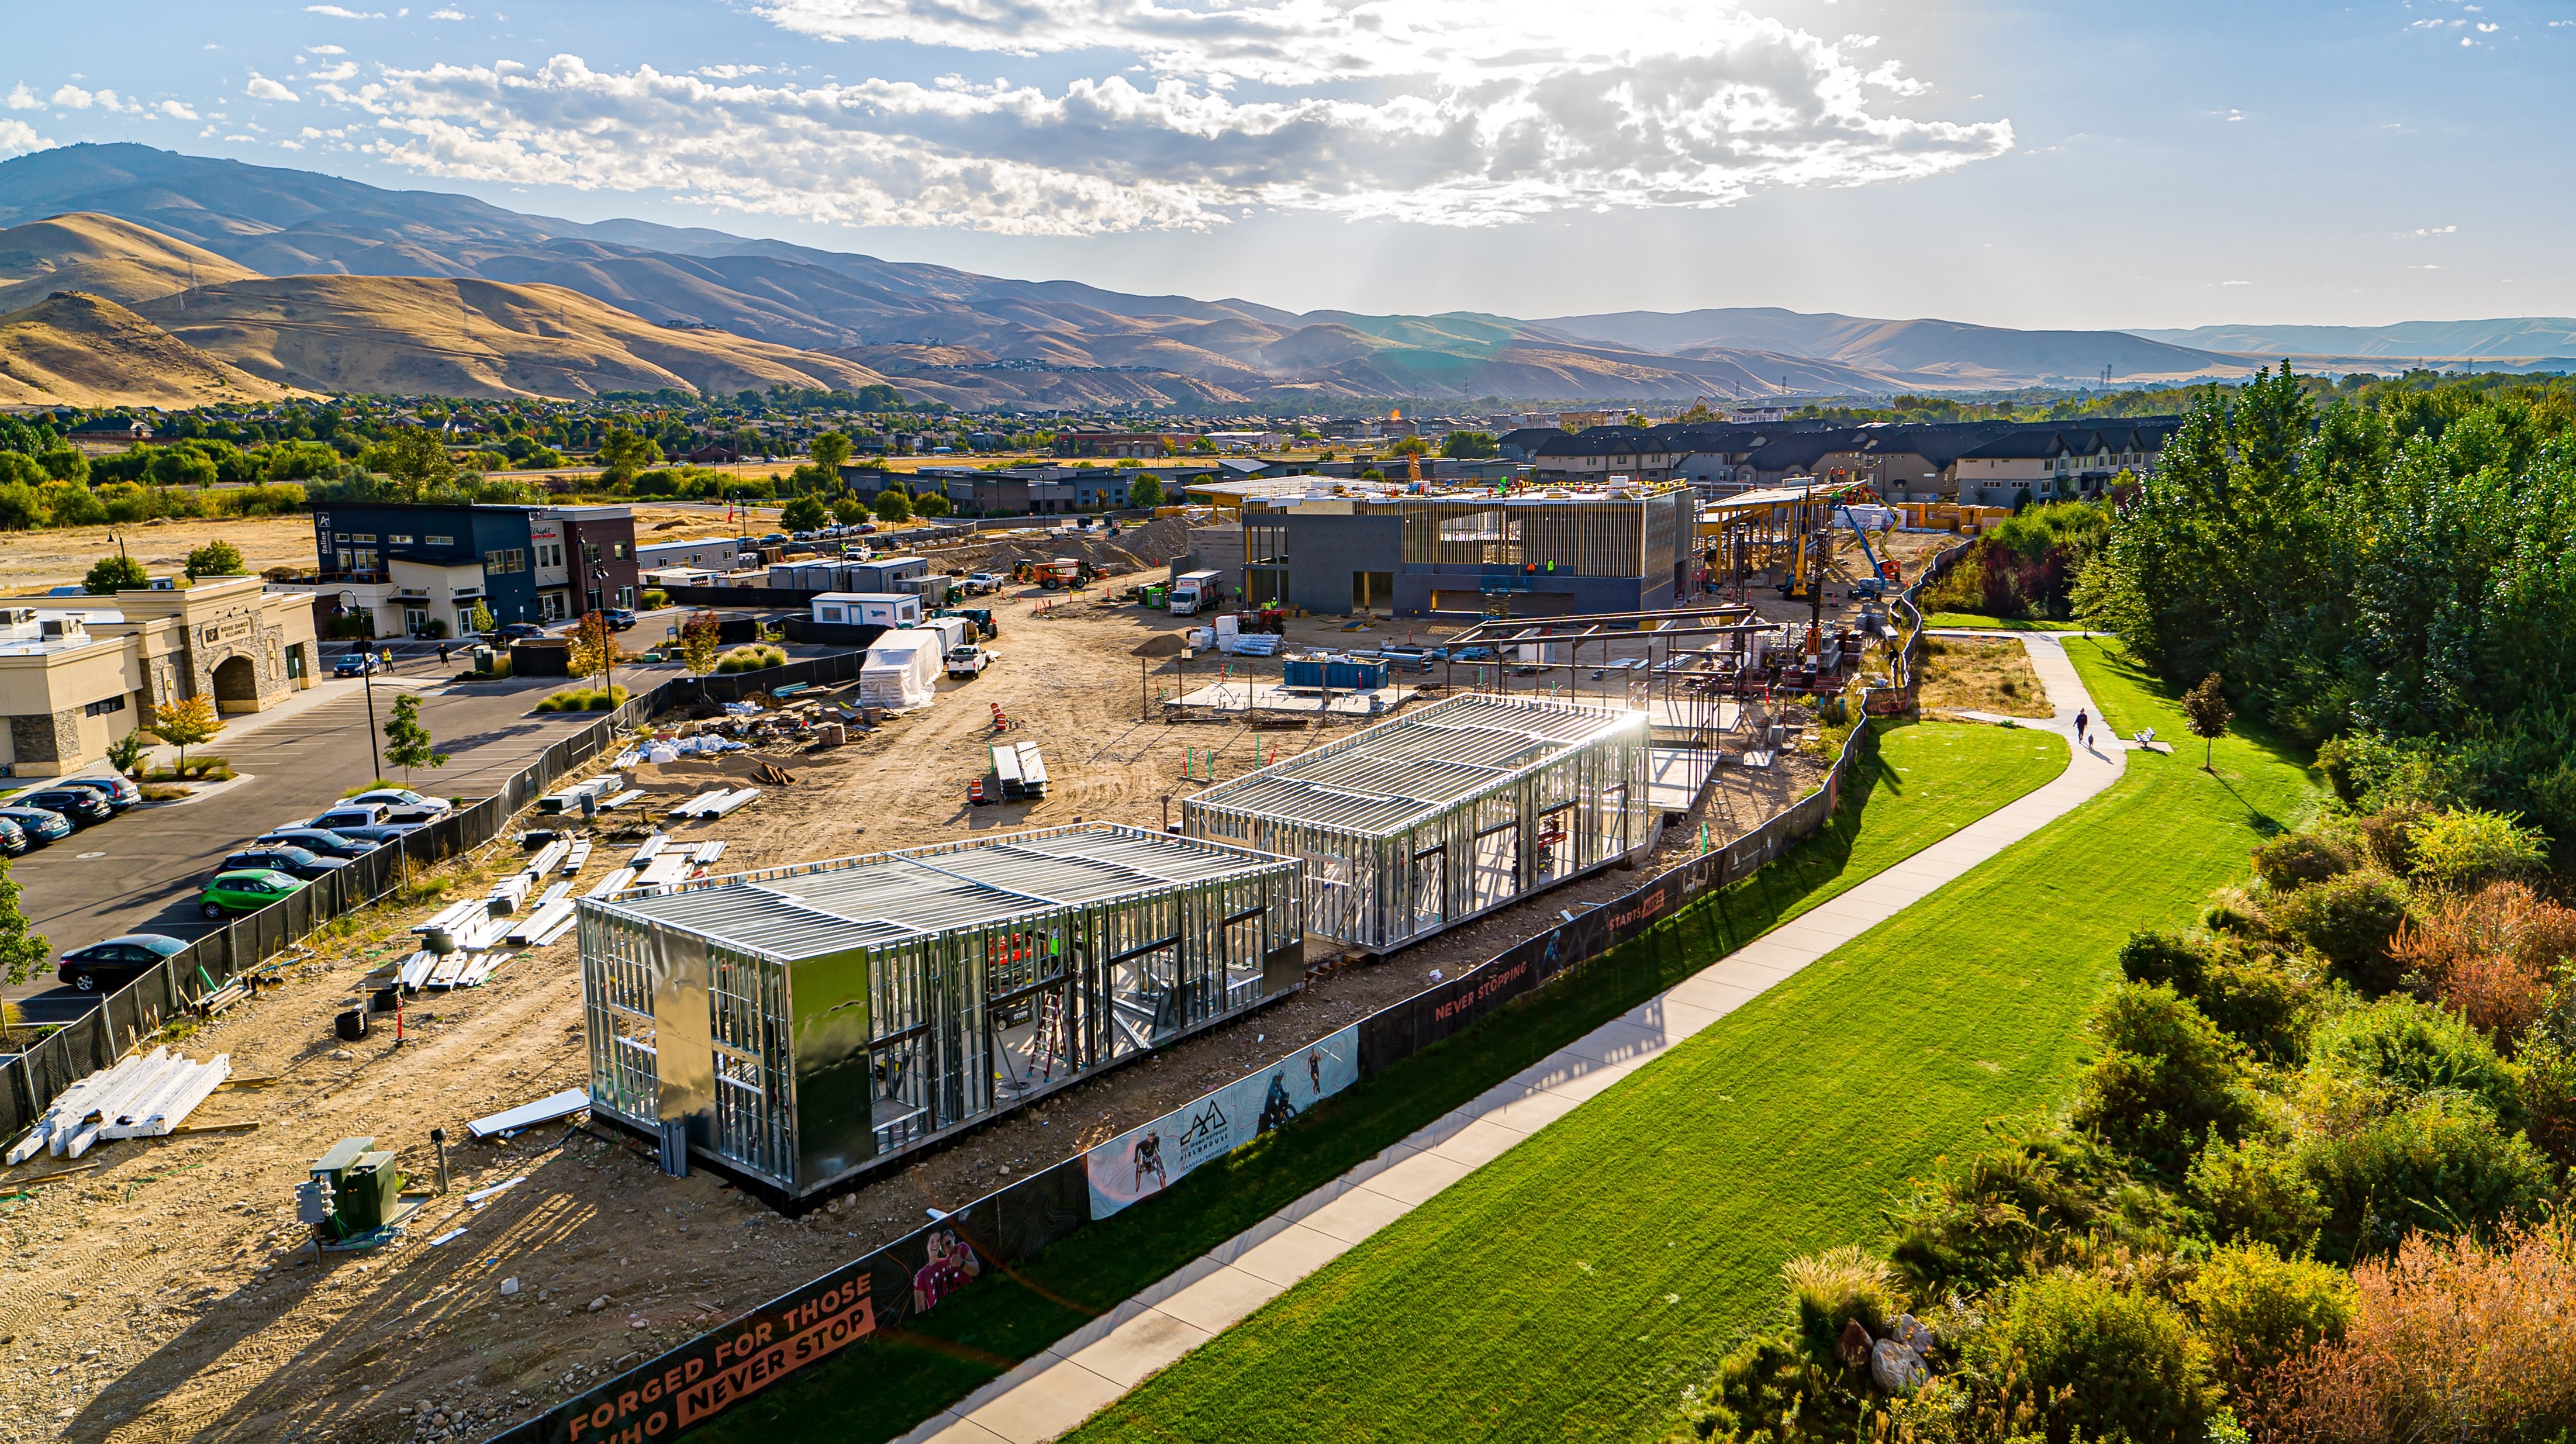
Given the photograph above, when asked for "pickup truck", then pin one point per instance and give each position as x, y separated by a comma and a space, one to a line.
968, 661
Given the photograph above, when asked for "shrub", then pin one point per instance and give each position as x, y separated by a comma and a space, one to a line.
2384, 834
2261, 1004
2254, 1190
2257, 1308
2004, 1210
2450, 1339
1831, 1289
583, 699
2167, 1077
2489, 956
2298, 858
2545, 1078
655, 599
2464, 849
2091, 1360
2440, 1166
2178, 963
755, 658
2401, 1049
2347, 920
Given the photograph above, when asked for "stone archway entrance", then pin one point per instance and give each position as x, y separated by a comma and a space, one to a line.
236, 685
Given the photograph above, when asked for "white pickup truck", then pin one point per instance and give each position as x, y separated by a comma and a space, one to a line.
968, 661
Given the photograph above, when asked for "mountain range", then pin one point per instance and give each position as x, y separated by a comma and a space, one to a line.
298, 279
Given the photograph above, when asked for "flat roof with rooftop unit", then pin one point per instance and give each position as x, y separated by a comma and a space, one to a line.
1420, 823
797, 1026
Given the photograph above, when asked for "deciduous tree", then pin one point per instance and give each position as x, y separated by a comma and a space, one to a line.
407, 742
215, 559
115, 573
185, 722
2205, 711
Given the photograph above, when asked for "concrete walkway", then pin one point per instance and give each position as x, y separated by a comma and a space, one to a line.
1053, 1392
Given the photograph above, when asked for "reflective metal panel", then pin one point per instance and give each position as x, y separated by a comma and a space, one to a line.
828, 999
682, 1033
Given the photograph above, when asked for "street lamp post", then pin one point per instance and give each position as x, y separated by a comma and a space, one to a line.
608, 650
375, 739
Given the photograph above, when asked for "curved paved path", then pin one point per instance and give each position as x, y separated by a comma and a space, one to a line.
1052, 1393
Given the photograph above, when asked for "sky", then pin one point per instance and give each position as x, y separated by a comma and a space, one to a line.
2075, 164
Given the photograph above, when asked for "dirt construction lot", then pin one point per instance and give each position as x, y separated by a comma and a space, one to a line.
168, 1293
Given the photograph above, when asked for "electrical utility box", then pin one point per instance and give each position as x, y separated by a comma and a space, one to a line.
364, 1187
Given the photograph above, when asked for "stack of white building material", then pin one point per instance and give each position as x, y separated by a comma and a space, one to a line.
577, 859
902, 670
141, 1097
651, 849
549, 857
511, 893
551, 909
667, 871
729, 803
613, 884
697, 805
708, 852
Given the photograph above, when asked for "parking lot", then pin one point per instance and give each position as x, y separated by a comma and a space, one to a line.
142, 872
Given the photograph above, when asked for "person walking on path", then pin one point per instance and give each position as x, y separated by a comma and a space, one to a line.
2081, 719
442, 654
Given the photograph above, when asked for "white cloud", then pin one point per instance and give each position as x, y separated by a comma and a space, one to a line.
263, 88
449, 15
2236, 283
339, 13
729, 72
2424, 268
177, 110
2427, 231
242, 138
2486, 28
1452, 127
329, 50
17, 137
341, 71
72, 97
21, 98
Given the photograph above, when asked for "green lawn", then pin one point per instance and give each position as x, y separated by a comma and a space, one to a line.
1573, 1287
1919, 783
1999, 624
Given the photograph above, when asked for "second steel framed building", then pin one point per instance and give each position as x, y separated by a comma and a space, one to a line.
796, 1025
1418, 824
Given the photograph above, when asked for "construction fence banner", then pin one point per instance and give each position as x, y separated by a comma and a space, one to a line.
872, 1295
1143, 1161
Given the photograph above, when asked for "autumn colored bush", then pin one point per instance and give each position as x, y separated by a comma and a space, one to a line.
2449, 1340
2489, 956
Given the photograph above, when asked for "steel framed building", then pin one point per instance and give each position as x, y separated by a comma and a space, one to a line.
796, 1025
1423, 822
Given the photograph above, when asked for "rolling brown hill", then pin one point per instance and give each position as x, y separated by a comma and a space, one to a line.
463, 337
103, 256
89, 351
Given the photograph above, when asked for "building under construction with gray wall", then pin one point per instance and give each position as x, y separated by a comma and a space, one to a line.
1418, 824
795, 1026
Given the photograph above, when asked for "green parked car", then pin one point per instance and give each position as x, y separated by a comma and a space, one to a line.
245, 892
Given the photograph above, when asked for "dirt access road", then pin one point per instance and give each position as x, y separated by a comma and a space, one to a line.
169, 1294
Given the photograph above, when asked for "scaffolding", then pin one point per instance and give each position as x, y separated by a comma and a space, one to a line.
1421, 823
800, 1024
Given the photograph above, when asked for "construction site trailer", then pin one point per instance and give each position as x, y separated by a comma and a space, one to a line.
800, 1024
859, 609
1423, 822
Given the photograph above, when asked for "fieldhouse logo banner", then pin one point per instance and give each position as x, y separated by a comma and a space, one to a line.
1143, 1161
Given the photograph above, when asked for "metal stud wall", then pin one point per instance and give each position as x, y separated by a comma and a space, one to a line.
1423, 822
800, 1023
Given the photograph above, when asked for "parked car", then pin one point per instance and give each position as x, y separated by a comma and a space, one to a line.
1472, 654
773, 539
119, 792
79, 804
244, 892
520, 631
968, 661
986, 581
356, 664
286, 858
12, 840
316, 840
116, 962
401, 804
37, 825
344, 816
379, 833
620, 618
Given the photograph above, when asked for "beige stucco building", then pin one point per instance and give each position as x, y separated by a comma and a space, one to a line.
77, 673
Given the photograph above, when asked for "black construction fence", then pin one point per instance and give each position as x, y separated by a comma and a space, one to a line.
703, 1377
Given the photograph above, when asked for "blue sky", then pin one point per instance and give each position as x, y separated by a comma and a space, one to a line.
2076, 164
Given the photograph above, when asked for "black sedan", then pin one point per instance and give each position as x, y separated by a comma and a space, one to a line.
116, 962
317, 840
294, 861
79, 804
120, 793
